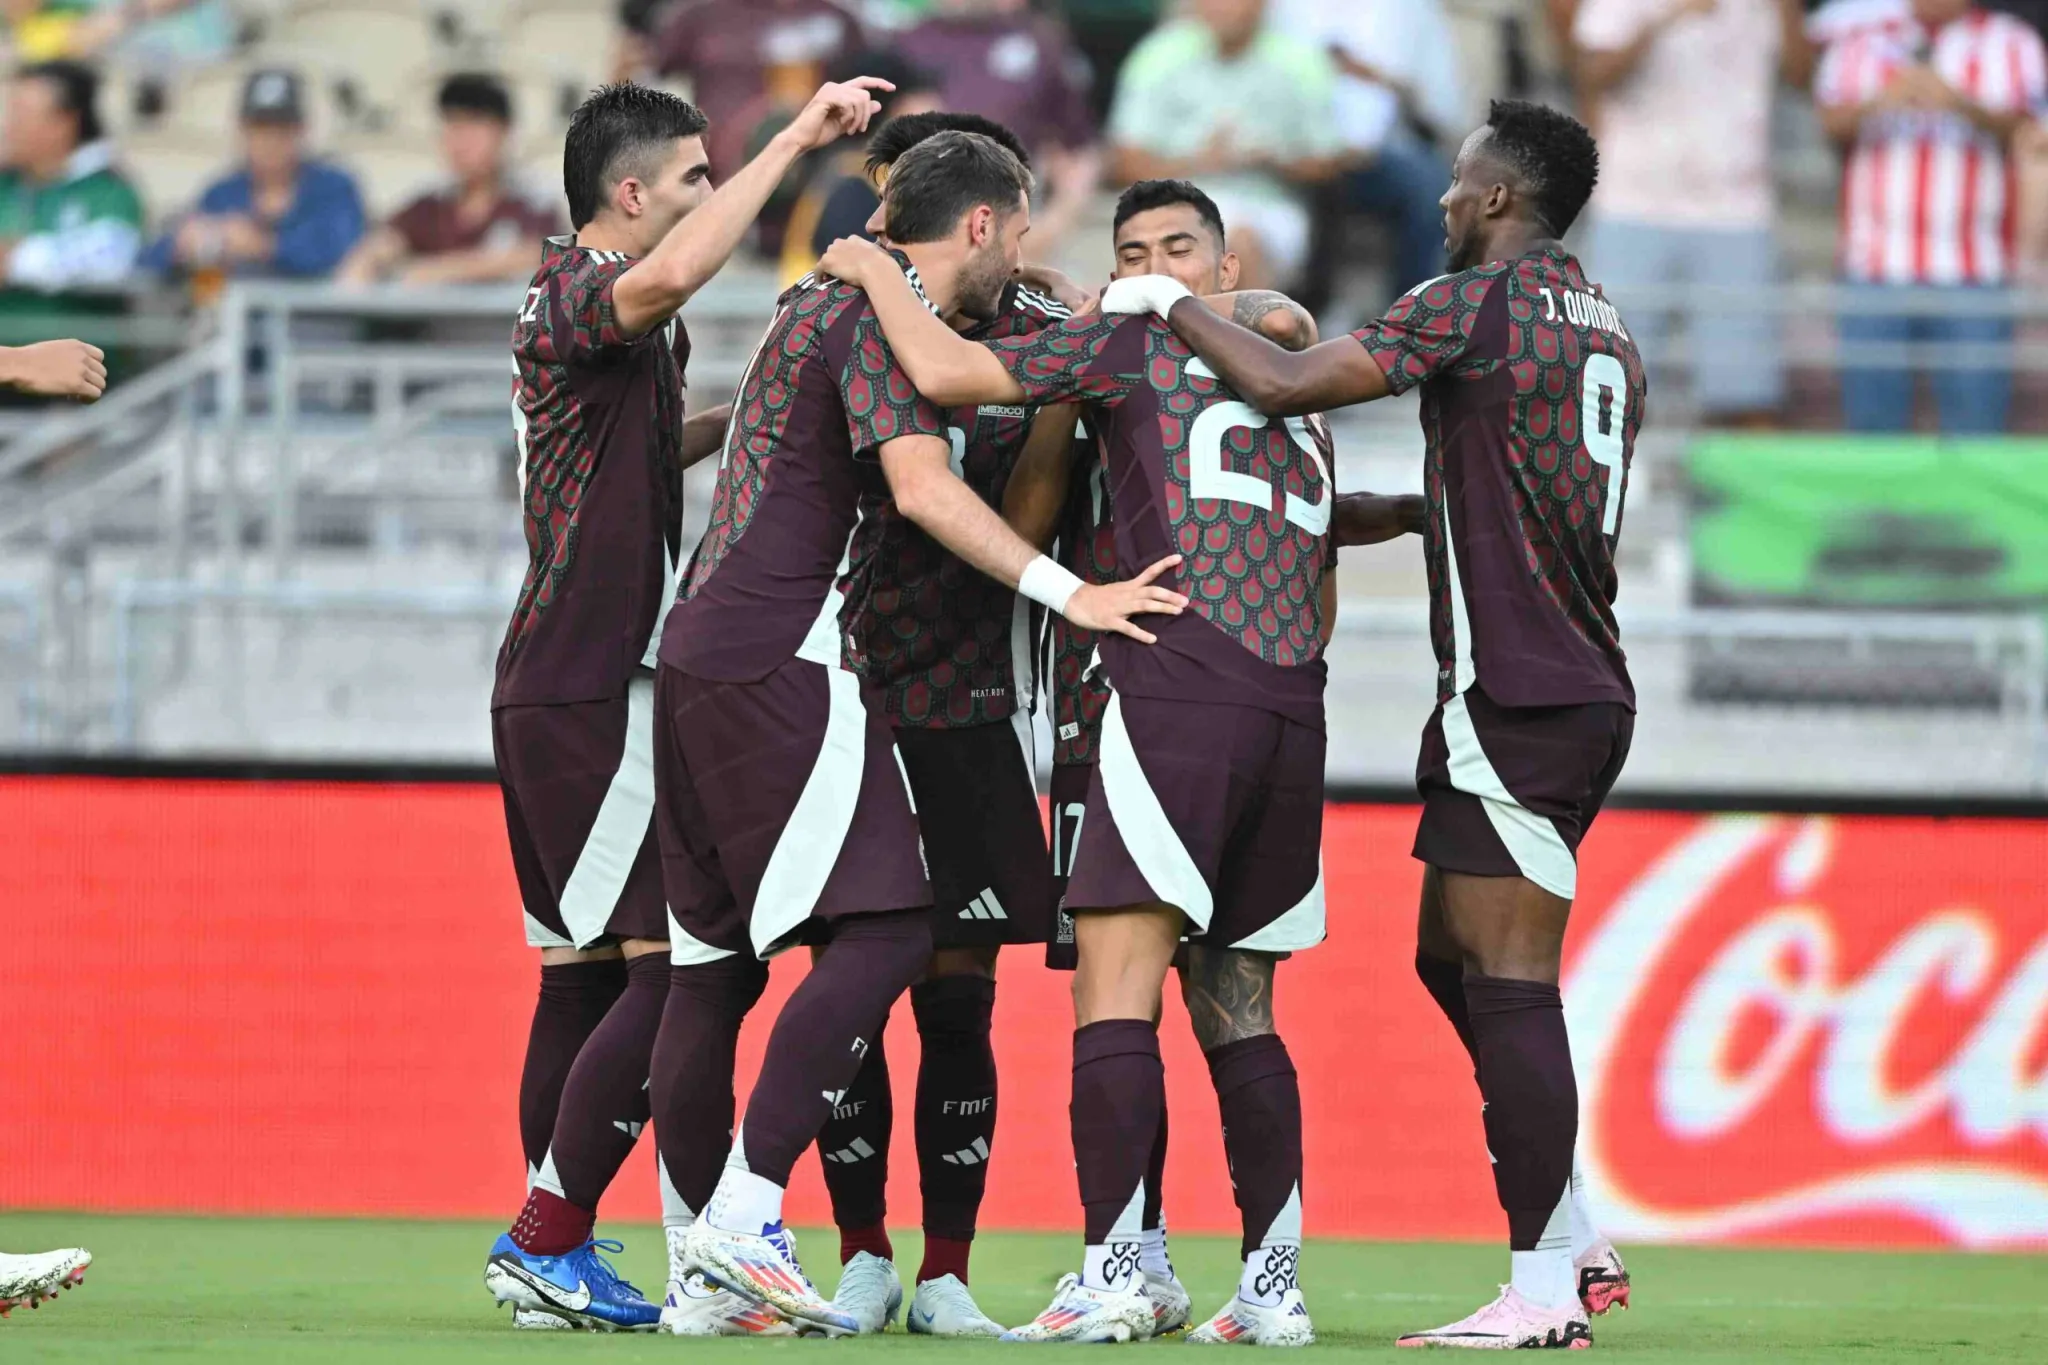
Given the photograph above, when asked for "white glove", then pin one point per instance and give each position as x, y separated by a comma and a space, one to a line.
1144, 294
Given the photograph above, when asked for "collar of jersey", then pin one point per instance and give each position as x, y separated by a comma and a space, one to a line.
569, 243
910, 273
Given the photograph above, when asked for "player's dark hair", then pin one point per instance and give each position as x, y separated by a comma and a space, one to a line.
476, 93
77, 87
1552, 152
944, 178
890, 141
621, 130
1148, 195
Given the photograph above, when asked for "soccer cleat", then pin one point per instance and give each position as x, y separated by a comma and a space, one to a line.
763, 1268
1078, 1313
40, 1275
529, 1320
580, 1287
693, 1308
1171, 1304
1238, 1323
869, 1292
1511, 1323
1603, 1279
944, 1308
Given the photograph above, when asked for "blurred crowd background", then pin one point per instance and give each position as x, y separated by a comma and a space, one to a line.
168, 145
300, 228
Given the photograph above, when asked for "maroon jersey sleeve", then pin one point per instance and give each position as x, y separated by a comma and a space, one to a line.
881, 403
1095, 359
1428, 332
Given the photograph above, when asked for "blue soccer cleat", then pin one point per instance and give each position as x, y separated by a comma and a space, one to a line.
579, 1287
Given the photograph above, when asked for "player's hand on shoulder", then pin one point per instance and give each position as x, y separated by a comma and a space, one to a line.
1144, 294
839, 109
854, 259
59, 369
1110, 606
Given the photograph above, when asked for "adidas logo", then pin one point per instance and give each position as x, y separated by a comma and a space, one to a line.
970, 1156
631, 1130
985, 906
856, 1150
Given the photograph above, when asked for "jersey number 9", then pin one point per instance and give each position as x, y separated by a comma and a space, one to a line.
1603, 416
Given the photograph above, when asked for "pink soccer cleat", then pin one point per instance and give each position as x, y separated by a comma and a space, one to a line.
1511, 1323
1603, 1279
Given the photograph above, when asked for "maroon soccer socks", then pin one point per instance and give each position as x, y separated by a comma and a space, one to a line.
1119, 1095
1532, 1123
574, 998
854, 1147
1260, 1100
603, 1108
691, 1081
956, 1114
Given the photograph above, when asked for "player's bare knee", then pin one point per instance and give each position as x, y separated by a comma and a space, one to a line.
1229, 994
555, 957
1505, 926
1123, 957
1432, 935
642, 947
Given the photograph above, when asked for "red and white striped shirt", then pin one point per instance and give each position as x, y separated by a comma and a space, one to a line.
1928, 198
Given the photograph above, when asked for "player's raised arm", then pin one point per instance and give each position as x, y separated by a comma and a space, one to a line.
943, 366
1037, 489
698, 247
1335, 374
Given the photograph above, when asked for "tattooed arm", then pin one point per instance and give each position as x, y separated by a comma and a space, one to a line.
1272, 315
1229, 994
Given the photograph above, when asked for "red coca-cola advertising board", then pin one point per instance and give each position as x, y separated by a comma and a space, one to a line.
301, 997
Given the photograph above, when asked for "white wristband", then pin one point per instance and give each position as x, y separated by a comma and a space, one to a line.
1047, 584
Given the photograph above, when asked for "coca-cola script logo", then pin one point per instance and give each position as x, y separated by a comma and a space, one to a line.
1821, 1028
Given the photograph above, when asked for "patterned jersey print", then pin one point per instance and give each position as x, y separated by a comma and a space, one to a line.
1533, 395
1087, 548
822, 395
1193, 470
941, 637
597, 415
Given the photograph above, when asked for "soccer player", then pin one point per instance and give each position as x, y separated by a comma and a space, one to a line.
598, 405
1532, 396
1204, 813
948, 646
783, 813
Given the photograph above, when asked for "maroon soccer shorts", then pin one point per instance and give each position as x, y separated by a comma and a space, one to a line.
1510, 791
977, 803
781, 803
1069, 813
578, 782
1214, 809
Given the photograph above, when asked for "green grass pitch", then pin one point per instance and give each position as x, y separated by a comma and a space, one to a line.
340, 1291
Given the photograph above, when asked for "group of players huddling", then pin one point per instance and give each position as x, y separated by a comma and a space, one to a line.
940, 492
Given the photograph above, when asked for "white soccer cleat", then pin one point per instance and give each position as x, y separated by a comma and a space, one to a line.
40, 1275
1172, 1305
1603, 1279
944, 1308
533, 1320
765, 1269
1238, 1323
1511, 1323
1078, 1313
693, 1308
870, 1292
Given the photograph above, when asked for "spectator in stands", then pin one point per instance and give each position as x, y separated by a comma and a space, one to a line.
1400, 99
1107, 32
839, 198
751, 63
281, 213
475, 229
68, 219
1682, 90
999, 60
1927, 111
1243, 109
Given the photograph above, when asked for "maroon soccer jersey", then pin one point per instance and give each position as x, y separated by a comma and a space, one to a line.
598, 415
822, 396
1086, 547
944, 640
1532, 395
1191, 469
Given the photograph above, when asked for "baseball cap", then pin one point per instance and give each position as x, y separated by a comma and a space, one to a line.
274, 95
